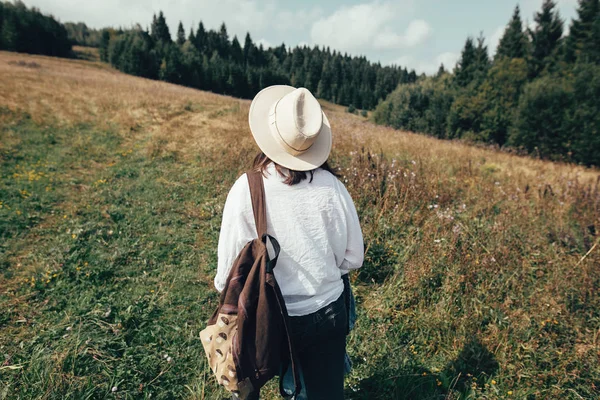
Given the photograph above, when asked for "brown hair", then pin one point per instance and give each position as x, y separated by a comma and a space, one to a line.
292, 177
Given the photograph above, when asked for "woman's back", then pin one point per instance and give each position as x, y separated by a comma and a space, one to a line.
317, 227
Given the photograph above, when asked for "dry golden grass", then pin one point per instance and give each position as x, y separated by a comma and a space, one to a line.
462, 242
68, 91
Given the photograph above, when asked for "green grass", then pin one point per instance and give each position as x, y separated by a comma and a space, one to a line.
115, 245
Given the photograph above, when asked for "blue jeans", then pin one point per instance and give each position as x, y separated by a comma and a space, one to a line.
320, 341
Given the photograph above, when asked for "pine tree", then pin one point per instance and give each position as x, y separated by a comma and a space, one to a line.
465, 68
237, 55
545, 38
513, 43
249, 50
154, 28
9, 34
159, 29
482, 58
180, 34
192, 37
104, 42
582, 41
223, 42
201, 41
441, 71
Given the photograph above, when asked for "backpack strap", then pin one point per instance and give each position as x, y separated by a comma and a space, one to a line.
257, 195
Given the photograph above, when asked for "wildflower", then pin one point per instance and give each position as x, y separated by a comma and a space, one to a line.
169, 359
510, 393
64, 216
437, 241
439, 383
73, 236
114, 389
424, 373
493, 382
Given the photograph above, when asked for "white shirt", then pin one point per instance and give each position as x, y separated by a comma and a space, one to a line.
317, 227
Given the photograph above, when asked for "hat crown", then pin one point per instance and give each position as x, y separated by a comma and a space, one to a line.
297, 119
307, 112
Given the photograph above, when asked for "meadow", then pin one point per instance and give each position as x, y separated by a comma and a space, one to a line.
481, 278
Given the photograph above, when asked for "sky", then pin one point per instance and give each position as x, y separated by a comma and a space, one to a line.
418, 34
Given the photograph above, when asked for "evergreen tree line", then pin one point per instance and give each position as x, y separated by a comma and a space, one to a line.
210, 60
540, 92
29, 31
79, 33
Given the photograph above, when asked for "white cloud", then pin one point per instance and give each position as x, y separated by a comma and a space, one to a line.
258, 17
449, 59
297, 20
266, 44
416, 33
430, 66
369, 25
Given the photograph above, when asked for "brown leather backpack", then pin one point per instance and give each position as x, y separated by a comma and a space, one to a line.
247, 338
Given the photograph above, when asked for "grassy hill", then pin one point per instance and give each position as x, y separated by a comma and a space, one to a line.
481, 279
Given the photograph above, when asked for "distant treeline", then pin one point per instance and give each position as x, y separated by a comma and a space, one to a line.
29, 31
540, 93
80, 34
210, 60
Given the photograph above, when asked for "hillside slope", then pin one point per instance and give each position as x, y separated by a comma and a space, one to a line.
482, 271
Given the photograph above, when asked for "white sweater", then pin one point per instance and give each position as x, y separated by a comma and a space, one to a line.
317, 227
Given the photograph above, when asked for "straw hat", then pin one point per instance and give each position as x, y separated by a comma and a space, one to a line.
290, 128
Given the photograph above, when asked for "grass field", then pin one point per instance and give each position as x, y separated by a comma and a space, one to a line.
482, 270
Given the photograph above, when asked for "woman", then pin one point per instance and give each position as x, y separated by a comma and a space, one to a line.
311, 214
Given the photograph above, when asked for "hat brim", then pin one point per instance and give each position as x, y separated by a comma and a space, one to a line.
258, 117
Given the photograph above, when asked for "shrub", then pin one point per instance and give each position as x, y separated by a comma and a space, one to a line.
419, 107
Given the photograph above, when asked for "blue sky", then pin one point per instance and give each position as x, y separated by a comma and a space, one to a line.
419, 34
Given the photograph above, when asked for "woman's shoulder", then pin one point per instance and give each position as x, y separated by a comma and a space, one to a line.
240, 186
325, 176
